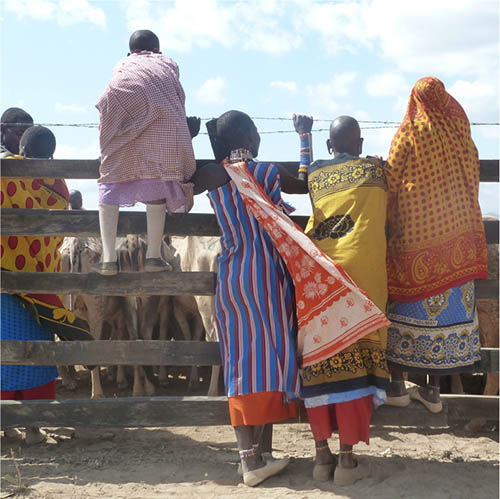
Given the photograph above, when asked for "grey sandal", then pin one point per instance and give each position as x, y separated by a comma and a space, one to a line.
156, 265
105, 268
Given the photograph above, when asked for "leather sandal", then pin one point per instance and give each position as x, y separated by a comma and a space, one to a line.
399, 400
266, 457
434, 407
323, 472
271, 468
348, 476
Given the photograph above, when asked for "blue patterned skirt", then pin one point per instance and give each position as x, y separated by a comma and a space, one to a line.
436, 335
17, 323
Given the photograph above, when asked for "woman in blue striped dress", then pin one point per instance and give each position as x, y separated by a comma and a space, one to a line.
254, 299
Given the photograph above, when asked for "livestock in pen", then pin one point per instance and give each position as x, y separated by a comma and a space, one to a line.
161, 410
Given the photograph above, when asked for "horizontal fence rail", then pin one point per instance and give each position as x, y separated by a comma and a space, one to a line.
121, 284
141, 284
80, 223
147, 412
89, 168
140, 352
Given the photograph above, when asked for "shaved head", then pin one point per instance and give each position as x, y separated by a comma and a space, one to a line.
345, 135
143, 39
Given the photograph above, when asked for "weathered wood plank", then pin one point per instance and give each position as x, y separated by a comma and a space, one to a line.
124, 283
23, 222
141, 352
467, 407
486, 289
141, 283
58, 168
207, 411
111, 352
489, 360
89, 168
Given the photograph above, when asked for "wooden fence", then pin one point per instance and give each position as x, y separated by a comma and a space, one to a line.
162, 411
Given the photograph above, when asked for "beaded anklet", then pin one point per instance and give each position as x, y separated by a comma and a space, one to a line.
248, 453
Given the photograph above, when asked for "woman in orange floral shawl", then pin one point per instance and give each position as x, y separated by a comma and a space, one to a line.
436, 245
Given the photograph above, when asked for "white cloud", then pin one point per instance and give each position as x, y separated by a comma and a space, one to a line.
478, 98
211, 91
387, 85
326, 94
287, 86
185, 24
73, 108
448, 37
65, 12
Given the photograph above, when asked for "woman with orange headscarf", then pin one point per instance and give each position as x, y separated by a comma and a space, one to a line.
436, 247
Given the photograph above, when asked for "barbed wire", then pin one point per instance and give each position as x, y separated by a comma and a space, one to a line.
378, 124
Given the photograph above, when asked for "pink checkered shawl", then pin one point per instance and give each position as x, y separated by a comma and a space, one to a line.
143, 128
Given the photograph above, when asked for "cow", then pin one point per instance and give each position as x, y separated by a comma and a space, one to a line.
78, 255
200, 254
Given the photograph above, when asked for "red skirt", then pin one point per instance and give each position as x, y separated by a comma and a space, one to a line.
44, 392
351, 419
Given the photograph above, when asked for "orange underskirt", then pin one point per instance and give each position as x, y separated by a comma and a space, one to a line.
260, 408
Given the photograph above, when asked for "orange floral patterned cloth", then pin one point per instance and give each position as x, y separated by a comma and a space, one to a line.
332, 312
436, 234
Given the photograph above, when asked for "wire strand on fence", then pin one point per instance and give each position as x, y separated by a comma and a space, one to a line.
379, 124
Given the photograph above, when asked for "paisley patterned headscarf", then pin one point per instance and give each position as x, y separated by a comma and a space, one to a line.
436, 233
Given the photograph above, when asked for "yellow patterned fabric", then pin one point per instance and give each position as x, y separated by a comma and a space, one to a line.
32, 253
436, 234
349, 198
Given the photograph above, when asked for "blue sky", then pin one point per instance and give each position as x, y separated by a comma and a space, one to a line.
268, 58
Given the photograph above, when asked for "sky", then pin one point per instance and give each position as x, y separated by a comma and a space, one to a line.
269, 58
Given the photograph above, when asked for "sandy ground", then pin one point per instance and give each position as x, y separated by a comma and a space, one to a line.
192, 462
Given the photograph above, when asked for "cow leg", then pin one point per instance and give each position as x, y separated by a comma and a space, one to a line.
456, 384
96, 307
95, 376
491, 387
121, 377
213, 389
182, 322
194, 378
164, 313
68, 379
138, 389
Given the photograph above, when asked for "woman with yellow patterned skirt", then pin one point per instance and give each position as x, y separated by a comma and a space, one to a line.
436, 245
349, 198
33, 317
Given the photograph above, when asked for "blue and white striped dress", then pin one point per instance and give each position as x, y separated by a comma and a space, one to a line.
255, 296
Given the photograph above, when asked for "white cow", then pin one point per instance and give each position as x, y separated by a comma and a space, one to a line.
198, 254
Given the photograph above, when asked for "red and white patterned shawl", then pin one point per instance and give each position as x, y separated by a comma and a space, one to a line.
143, 128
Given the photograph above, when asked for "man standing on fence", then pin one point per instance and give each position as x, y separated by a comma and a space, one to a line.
146, 150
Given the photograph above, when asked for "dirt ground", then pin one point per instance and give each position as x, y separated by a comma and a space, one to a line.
192, 462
